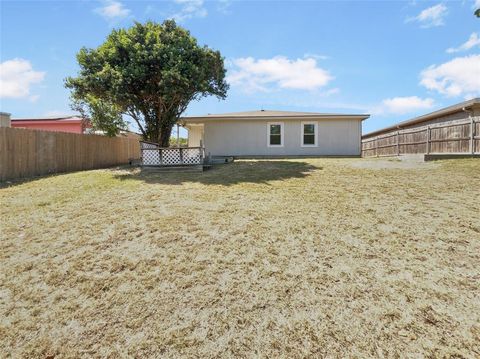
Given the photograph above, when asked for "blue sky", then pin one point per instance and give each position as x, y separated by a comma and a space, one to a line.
392, 59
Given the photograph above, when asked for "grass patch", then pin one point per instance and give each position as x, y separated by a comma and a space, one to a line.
317, 257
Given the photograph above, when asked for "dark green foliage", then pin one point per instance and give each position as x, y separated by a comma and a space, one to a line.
150, 72
103, 116
182, 142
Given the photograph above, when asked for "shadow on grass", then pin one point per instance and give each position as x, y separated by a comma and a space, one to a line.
237, 172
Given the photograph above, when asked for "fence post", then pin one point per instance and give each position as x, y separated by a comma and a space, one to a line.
428, 140
472, 135
398, 143
181, 155
376, 147
160, 156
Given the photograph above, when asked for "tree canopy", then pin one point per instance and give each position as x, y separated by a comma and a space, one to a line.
150, 72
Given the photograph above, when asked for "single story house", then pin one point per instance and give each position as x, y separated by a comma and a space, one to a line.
266, 133
73, 124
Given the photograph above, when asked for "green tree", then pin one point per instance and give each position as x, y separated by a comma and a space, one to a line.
150, 72
102, 115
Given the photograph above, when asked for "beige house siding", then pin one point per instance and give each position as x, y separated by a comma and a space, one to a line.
336, 137
195, 135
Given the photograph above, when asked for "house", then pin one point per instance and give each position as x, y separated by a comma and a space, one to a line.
73, 124
267, 133
453, 130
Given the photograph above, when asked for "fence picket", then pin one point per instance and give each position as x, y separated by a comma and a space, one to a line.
455, 137
27, 153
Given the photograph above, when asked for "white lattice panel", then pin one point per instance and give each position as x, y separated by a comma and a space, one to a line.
154, 155
149, 145
150, 157
192, 156
171, 157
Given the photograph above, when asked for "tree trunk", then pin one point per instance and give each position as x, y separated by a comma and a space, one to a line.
158, 128
165, 133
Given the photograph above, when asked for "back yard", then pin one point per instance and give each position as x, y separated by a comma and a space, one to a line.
317, 257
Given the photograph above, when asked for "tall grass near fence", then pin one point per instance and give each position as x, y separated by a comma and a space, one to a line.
28, 153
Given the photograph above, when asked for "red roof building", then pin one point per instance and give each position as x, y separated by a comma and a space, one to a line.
73, 124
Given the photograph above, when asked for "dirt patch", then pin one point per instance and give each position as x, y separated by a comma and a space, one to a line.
402, 162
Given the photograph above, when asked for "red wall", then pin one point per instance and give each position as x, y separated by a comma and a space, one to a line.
73, 126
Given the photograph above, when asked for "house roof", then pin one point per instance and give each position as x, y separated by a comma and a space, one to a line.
53, 118
269, 114
429, 116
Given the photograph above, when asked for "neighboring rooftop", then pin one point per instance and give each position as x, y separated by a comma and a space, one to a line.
429, 116
52, 118
262, 114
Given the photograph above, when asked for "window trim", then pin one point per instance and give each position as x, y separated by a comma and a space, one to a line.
281, 134
315, 133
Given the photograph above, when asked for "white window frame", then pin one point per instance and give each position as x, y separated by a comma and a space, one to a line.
315, 133
281, 134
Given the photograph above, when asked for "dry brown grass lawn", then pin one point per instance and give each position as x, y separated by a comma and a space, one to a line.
292, 259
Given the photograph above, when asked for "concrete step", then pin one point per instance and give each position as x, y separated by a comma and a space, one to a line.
216, 160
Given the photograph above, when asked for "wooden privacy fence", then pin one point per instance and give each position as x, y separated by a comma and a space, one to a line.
454, 137
27, 153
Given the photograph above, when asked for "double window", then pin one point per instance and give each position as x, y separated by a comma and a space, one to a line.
275, 134
309, 134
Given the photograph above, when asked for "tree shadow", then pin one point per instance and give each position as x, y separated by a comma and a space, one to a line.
259, 171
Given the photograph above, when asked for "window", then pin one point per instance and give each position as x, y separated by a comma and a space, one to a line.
309, 134
275, 134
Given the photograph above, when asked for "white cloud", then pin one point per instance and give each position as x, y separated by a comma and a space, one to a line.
34, 98
430, 17
402, 105
476, 4
224, 6
190, 9
316, 56
113, 10
16, 77
473, 40
278, 72
457, 77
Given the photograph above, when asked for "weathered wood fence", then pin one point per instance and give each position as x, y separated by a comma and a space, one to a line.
27, 153
454, 137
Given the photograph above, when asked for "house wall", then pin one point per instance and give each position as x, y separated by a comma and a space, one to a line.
55, 126
195, 136
336, 137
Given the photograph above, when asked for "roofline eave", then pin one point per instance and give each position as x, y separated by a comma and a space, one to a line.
423, 118
196, 119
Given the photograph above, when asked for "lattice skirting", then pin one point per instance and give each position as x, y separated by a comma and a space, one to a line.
171, 156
